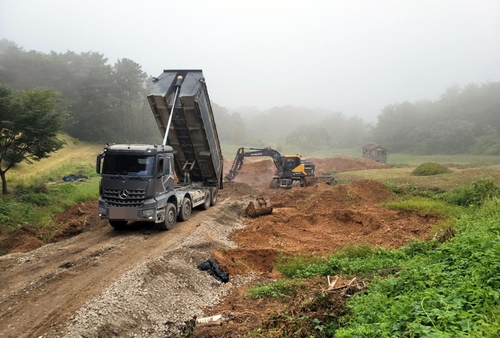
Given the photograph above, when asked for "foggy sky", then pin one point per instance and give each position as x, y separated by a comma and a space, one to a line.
349, 56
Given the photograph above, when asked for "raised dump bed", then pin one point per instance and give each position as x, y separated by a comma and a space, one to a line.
192, 132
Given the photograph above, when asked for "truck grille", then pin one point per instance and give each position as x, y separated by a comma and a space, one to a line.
124, 197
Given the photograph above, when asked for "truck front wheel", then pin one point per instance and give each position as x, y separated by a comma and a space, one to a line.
185, 211
170, 218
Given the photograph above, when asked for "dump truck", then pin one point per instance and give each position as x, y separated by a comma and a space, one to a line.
162, 183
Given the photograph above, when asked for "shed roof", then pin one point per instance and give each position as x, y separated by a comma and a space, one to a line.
371, 146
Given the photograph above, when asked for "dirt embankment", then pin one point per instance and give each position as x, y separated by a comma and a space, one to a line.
104, 283
319, 220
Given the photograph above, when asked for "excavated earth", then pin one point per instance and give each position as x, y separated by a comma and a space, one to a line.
140, 282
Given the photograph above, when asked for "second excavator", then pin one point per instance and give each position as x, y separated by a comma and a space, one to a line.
291, 170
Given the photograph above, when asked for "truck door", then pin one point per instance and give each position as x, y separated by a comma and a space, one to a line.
164, 174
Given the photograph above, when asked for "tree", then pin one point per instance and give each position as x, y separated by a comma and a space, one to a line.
309, 138
29, 122
132, 113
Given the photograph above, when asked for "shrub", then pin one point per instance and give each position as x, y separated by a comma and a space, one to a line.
473, 195
430, 168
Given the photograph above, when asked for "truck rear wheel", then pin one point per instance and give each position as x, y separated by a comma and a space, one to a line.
186, 208
214, 194
118, 225
206, 203
170, 218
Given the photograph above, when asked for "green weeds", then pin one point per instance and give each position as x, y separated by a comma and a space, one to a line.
279, 289
447, 287
472, 195
449, 291
430, 168
32, 204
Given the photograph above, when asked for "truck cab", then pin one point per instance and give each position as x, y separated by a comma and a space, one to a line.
137, 181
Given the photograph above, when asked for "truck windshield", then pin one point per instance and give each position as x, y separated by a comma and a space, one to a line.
128, 165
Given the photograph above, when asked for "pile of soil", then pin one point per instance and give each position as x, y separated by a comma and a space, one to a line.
258, 171
345, 163
71, 222
320, 220
310, 221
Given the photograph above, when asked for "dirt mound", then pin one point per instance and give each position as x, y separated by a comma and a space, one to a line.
71, 222
254, 171
77, 219
345, 163
320, 220
23, 239
259, 172
355, 195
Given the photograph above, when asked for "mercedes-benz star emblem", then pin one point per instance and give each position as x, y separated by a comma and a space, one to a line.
123, 194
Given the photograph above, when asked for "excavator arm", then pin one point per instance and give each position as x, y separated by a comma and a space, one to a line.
252, 152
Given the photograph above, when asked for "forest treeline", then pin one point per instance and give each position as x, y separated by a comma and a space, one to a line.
107, 103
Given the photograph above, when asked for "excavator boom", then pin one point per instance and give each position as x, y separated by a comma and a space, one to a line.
291, 171
251, 152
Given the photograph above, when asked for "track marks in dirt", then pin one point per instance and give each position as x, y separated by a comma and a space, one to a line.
49, 284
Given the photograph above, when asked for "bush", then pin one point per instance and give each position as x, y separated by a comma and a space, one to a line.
473, 195
430, 168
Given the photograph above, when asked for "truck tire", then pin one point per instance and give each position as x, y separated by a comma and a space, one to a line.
274, 183
185, 211
206, 203
214, 194
170, 218
118, 225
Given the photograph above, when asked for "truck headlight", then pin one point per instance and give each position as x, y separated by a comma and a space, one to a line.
148, 213
102, 211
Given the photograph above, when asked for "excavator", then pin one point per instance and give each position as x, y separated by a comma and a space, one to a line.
291, 170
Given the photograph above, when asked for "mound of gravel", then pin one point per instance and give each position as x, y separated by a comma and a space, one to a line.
162, 296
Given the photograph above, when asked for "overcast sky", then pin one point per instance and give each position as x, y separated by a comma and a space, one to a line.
352, 56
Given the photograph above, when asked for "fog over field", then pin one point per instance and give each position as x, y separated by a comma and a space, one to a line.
349, 56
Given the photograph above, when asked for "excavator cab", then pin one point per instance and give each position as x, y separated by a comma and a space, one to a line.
290, 162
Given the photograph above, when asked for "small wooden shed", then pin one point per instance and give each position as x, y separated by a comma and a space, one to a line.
375, 152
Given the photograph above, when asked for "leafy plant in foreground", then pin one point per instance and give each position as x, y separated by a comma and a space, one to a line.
449, 291
472, 195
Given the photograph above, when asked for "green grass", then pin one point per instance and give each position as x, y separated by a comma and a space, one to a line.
403, 160
280, 289
37, 191
450, 291
425, 205
403, 176
429, 169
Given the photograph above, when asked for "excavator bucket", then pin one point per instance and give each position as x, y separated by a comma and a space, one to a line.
258, 207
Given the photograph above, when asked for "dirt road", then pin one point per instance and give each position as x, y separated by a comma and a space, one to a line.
43, 289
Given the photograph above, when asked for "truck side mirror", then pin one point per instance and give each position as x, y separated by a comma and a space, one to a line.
98, 163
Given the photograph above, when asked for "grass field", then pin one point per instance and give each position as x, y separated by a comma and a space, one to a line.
74, 158
403, 176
